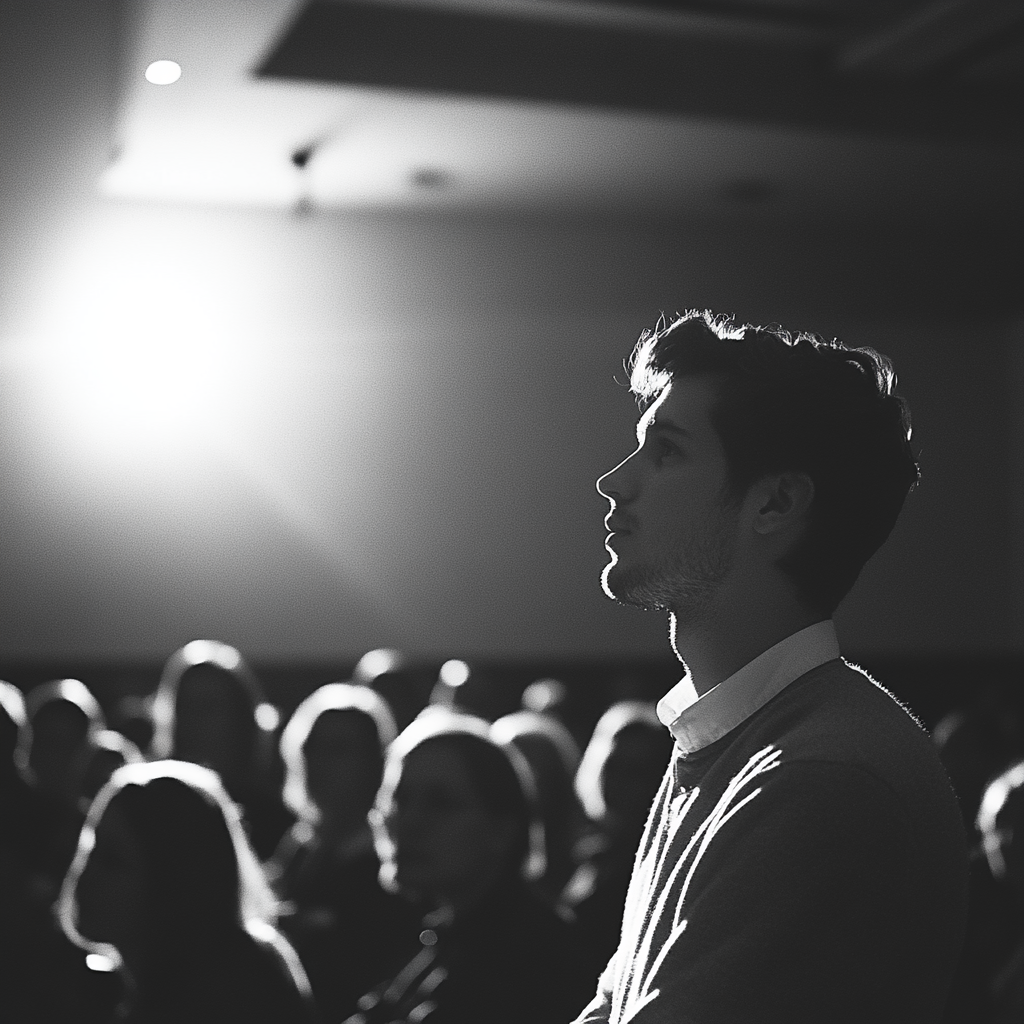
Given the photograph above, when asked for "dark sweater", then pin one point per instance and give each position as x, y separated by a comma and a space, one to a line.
810, 865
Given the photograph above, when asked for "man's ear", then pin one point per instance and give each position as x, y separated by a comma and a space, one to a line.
783, 502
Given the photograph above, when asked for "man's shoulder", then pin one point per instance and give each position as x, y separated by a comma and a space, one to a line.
838, 721
837, 712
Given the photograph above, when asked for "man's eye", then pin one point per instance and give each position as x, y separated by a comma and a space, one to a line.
664, 450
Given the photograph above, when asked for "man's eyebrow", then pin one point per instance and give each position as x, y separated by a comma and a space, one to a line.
660, 426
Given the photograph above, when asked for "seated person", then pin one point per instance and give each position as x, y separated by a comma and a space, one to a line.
341, 920
458, 834
210, 709
165, 888
1001, 825
105, 752
553, 756
62, 719
616, 783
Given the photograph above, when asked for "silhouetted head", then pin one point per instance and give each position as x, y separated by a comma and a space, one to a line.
622, 767
163, 872
545, 696
819, 416
101, 756
553, 755
132, 716
209, 708
12, 720
333, 750
455, 815
62, 715
1001, 824
403, 684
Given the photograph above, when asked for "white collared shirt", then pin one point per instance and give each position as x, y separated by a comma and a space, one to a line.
696, 721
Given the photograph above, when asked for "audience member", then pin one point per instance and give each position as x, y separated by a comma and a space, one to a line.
457, 833
43, 978
62, 716
1001, 825
101, 756
976, 741
341, 920
545, 696
19, 838
405, 686
553, 757
166, 887
210, 709
616, 783
132, 716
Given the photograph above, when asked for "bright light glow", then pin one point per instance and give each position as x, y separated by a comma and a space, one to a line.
99, 962
454, 673
163, 72
142, 355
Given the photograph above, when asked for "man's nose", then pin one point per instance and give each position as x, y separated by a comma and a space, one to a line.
614, 485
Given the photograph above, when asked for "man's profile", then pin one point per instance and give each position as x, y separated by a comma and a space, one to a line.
804, 859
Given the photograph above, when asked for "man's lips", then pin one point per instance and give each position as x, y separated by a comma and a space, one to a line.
614, 525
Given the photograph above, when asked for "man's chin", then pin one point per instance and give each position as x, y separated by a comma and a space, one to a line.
626, 587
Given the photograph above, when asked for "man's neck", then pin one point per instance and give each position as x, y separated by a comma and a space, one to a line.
724, 640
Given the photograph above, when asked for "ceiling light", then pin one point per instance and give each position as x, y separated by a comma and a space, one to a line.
163, 72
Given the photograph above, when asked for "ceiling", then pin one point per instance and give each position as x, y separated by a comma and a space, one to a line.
809, 110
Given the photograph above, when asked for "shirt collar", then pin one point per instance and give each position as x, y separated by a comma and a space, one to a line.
696, 722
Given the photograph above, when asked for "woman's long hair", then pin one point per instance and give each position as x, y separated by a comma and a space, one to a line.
344, 697
255, 711
203, 884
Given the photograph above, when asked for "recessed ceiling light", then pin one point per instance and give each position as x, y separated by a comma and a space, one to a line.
163, 72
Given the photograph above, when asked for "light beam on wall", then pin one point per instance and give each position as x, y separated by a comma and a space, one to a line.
141, 355
163, 385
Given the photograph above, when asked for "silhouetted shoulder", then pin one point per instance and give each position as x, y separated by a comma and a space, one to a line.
283, 994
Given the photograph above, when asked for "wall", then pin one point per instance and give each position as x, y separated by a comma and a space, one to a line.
417, 408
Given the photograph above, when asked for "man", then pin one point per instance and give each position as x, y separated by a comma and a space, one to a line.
804, 859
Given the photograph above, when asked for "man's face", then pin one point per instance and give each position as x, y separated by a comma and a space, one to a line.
671, 534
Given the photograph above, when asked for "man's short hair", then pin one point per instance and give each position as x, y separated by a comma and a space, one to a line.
798, 403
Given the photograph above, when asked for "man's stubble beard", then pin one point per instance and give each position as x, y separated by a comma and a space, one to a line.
684, 585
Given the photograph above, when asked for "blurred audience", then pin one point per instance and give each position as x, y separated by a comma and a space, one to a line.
458, 834
618, 777
553, 757
166, 888
461, 873
210, 709
341, 920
